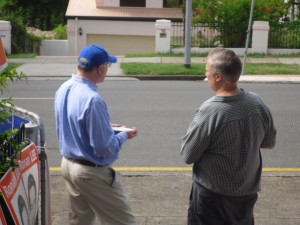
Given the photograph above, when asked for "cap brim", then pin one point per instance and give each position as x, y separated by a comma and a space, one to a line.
112, 59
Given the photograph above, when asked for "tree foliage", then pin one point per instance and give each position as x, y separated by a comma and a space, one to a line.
42, 14
60, 32
9, 147
232, 16
236, 11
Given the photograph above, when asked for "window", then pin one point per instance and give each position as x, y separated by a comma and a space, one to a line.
172, 3
133, 3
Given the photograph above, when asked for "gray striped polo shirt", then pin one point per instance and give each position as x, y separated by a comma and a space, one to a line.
224, 140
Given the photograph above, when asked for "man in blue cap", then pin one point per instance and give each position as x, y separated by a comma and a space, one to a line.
89, 145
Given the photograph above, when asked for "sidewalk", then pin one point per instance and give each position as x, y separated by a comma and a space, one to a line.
161, 198
61, 67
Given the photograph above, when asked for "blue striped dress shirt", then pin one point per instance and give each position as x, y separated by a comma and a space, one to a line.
83, 124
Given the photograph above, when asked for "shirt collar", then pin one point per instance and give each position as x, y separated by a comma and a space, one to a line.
84, 81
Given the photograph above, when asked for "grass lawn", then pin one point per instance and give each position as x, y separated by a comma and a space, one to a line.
20, 56
199, 69
250, 55
12, 66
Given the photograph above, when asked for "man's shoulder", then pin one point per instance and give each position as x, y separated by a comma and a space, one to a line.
208, 108
208, 104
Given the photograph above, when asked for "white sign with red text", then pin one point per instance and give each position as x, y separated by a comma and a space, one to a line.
20, 187
3, 62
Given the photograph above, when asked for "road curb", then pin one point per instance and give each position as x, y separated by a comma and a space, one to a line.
167, 77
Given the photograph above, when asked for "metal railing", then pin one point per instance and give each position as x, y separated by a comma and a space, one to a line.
285, 35
209, 35
34, 131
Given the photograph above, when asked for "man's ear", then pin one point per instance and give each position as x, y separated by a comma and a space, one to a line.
100, 69
218, 77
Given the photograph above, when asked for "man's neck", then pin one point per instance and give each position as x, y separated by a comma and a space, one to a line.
88, 76
228, 90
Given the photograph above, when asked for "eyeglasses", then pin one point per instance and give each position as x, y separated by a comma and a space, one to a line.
108, 64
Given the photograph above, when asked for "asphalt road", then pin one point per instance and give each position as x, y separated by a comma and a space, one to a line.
162, 111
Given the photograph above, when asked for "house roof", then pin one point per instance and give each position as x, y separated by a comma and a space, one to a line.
86, 9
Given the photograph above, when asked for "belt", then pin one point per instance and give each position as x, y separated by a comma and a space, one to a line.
83, 162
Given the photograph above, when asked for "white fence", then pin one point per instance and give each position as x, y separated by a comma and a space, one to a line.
163, 36
54, 48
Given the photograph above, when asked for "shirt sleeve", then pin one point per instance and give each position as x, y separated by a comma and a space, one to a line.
196, 140
269, 140
104, 142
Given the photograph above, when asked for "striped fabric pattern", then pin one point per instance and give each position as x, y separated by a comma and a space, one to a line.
224, 140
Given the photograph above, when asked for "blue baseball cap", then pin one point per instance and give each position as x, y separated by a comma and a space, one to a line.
94, 56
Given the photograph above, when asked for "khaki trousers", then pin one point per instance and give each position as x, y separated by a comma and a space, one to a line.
96, 191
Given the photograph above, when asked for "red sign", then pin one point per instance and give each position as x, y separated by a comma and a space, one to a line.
20, 187
3, 62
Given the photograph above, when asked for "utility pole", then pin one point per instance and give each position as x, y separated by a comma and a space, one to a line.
187, 36
248, 36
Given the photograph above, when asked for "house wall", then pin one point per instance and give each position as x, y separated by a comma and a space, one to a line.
120, 45
104, 27
107, 3
154, 4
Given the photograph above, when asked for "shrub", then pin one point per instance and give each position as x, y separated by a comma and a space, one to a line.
233, 17
9, 146
60, 32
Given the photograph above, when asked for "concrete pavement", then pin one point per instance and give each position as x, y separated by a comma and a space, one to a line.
161, 197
